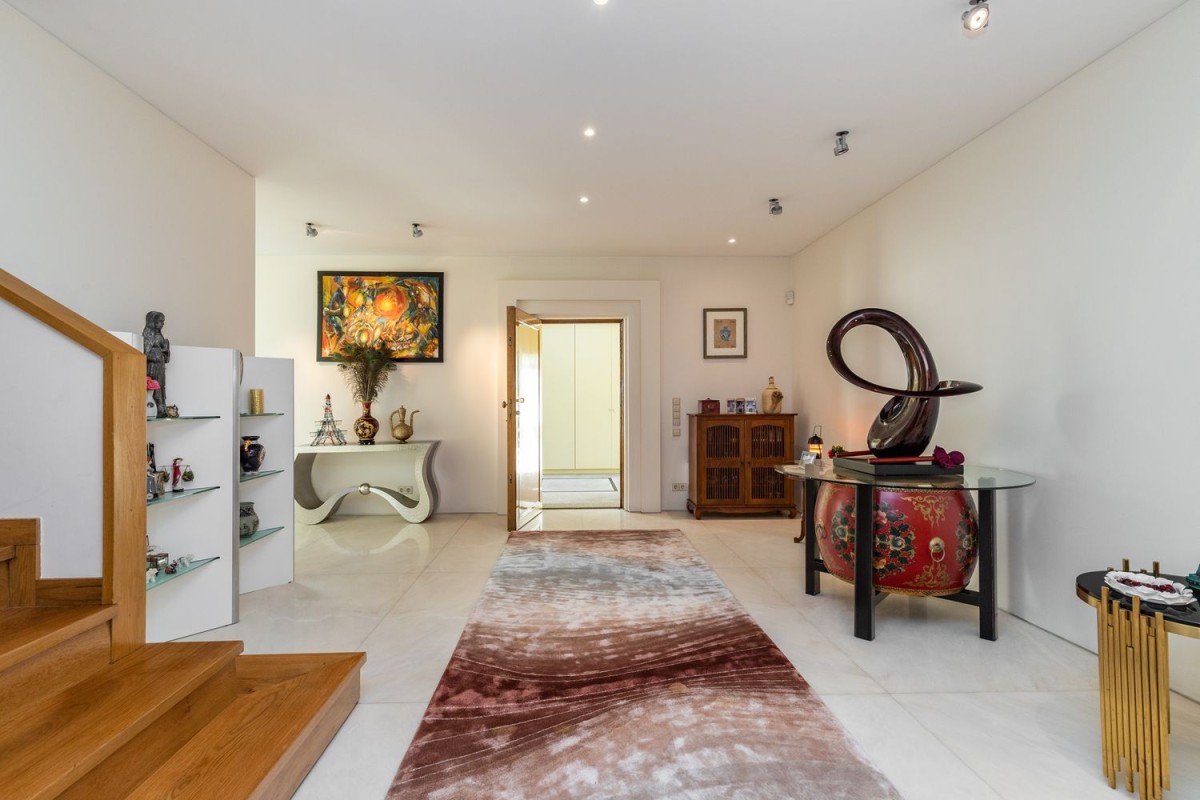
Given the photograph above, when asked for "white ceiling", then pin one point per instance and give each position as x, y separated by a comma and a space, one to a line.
465, 116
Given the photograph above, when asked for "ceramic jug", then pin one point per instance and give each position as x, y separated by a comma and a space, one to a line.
401, 431
772, 399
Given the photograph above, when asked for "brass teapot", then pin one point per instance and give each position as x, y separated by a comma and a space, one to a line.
401, 431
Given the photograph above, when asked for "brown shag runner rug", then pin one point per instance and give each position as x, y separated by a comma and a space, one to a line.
615, 664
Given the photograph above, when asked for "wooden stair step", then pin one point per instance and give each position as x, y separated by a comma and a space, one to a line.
48, 745
26, 632
267, 740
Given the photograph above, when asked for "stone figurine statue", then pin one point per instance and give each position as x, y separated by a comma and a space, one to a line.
158, 354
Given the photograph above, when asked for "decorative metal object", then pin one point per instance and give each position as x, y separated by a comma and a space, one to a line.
402, 431
815, 443
905, 424
327, 432
256, 401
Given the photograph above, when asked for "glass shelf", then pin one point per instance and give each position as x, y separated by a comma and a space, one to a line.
249, 476
182, 418
261, 533
168, 496
164, 577
264, 414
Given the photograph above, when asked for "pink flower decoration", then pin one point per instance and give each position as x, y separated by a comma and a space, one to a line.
151, 384
947, 460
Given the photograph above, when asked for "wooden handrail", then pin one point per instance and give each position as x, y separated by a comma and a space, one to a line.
123, 464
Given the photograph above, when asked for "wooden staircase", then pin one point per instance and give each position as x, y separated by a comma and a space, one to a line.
88, 710
179, 720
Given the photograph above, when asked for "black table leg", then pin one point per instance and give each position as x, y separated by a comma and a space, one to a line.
864, 556
812, 576
987, 564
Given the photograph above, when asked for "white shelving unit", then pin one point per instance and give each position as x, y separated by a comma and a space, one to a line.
203, 519
200, 381
268, 558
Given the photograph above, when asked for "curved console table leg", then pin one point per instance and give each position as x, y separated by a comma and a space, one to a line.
311, 509
425, 485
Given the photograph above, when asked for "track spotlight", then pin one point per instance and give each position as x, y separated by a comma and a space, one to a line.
774, 206
310, 230
976, 18
417, 232
840, 145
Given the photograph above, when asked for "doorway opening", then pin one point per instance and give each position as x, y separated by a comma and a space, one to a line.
582, 364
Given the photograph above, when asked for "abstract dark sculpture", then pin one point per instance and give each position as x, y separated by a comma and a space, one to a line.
905, 424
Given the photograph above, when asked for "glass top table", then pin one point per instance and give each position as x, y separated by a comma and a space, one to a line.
985, 481
972, 478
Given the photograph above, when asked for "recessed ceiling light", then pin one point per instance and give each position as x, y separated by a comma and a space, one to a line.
600, 2
732, 241
583, 199
589, 132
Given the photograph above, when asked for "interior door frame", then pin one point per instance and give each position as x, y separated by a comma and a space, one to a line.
639, 303
620, 323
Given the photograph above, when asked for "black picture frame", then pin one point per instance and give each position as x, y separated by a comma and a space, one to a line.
404, 312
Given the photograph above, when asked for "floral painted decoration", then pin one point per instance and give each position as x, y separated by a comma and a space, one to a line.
947, 460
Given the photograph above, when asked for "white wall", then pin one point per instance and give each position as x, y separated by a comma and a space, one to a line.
110, 207
1054, 260
114, 210
458, 398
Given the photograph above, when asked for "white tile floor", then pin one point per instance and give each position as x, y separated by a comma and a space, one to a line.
941, 712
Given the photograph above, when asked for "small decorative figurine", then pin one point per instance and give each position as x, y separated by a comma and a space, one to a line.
158, 354
177, 475
172, 411
328, 433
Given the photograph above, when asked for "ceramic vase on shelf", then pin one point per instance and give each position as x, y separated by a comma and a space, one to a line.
366, 426
772, 398
252, 454
151, 406
247, 519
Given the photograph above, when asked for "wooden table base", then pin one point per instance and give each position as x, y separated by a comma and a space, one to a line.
1135, 705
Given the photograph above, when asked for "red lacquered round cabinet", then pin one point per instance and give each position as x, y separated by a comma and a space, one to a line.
925, 542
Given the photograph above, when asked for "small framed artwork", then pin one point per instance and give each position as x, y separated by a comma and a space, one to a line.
724, 333
402, 312
751, 405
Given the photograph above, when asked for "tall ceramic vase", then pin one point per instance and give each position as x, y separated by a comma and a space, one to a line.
366, 426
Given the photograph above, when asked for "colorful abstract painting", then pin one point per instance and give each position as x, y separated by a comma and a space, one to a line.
400, 311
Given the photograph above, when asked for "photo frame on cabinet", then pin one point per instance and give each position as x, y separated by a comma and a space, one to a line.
724, 333
403, 312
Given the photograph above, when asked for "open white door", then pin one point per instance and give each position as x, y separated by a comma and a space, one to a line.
523, 406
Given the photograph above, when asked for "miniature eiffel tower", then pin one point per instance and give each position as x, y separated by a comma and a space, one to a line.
328, 433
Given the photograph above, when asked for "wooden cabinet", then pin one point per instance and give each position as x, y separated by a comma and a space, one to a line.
732, 460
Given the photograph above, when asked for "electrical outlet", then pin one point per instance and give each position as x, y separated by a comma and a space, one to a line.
405, 490
678, 487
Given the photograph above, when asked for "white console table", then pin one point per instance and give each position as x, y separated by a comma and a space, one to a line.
311, 509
